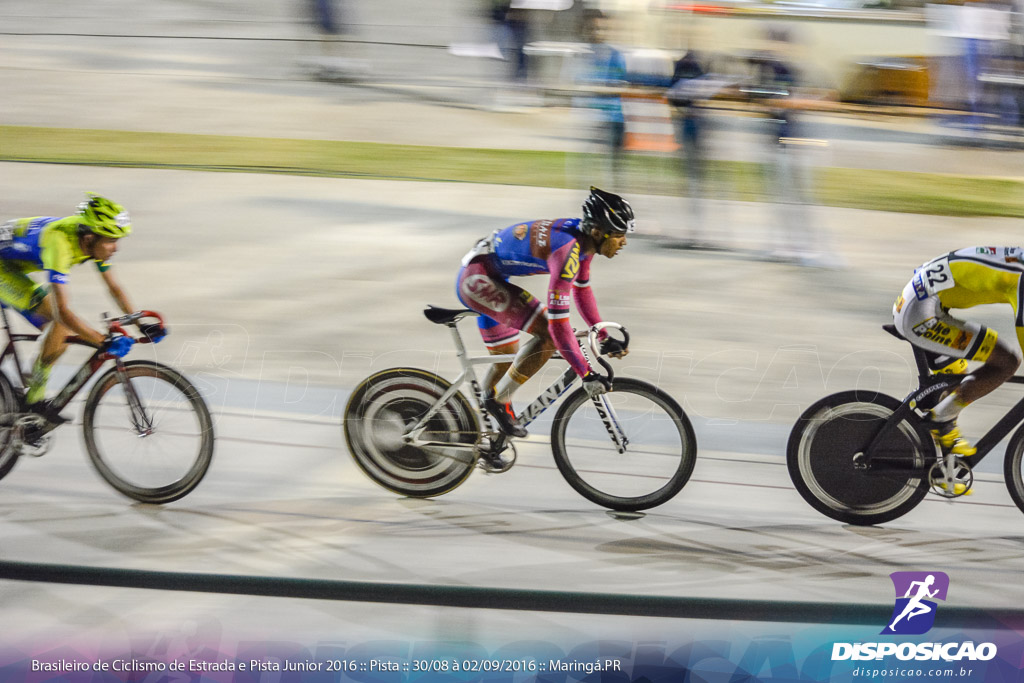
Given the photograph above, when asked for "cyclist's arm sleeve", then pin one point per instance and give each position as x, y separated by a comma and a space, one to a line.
564, 264
55, 254
583, 295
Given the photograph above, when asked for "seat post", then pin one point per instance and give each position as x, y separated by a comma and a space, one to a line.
460, 347
921, 358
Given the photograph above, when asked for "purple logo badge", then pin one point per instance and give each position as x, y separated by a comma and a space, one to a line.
914, 612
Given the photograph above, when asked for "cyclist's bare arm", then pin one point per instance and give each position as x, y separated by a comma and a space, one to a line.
117, 293
65, 316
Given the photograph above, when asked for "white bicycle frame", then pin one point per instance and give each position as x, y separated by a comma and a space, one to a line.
604, 408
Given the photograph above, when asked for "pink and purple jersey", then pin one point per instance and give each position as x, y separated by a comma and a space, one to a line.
534, 248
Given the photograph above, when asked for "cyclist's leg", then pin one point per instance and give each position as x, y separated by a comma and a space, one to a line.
20, 292
507, 309
480, 289
500, 340
53, 347
530, 359
927, 325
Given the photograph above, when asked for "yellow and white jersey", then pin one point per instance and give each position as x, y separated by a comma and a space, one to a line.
973, 276
960, 279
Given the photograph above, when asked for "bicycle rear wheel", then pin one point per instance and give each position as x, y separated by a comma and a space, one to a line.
153, 441
9, 406
820, 455
385, 407
660, 448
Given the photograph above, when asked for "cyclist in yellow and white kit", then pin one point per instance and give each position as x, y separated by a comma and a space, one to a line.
962, 279
54, 245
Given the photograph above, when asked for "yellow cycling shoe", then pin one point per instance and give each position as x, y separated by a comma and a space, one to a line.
952, 442
959, 489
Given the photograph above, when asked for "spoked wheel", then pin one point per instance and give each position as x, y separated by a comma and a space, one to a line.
821, 451
659, 446
385, 408
148, 432
9, 406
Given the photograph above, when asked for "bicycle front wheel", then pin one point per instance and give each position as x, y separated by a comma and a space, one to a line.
148, 432
1013, 468
658, 446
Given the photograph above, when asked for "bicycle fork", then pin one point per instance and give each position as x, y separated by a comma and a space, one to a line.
141, 420
611, 422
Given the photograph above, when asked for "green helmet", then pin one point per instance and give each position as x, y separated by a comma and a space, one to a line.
103, 217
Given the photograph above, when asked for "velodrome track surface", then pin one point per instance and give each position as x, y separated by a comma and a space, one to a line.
283, 292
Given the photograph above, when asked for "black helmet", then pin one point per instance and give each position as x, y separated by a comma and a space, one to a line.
607, 211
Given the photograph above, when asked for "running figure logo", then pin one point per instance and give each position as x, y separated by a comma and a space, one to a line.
914, 612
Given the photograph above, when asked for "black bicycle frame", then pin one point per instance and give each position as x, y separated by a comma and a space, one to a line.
928, 385
74, 385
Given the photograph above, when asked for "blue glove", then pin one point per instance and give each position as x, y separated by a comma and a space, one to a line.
118, 346
155, 331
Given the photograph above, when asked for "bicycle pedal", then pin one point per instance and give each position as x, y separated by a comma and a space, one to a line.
37, 447
496, 461
959, 489
959, 483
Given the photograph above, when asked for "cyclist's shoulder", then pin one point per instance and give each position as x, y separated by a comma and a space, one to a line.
1012, 257
565, 231
549, 224
36, 222
57, 231
39, 230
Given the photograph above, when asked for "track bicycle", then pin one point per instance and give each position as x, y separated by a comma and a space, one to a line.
416, 434
147, 429
867, 458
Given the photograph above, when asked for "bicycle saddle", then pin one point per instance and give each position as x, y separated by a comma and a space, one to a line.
445, 316
891, 329
935, 361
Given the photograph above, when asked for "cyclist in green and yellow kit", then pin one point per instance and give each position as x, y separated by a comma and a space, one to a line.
54, 245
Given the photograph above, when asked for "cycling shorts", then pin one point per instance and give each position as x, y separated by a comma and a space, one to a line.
505, 308
927, 325
22, 293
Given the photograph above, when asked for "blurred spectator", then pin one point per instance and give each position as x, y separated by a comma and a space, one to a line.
691, 133
513, 29
788, 178
326, 17
982, 32
331, 64
605, 73
945, 80
999, 70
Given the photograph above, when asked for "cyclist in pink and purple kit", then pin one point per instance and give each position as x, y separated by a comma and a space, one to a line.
563, 249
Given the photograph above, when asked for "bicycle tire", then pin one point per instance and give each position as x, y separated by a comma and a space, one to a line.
820, 451
176, 405
9, 404
391, 401
1013, 467
617, 481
